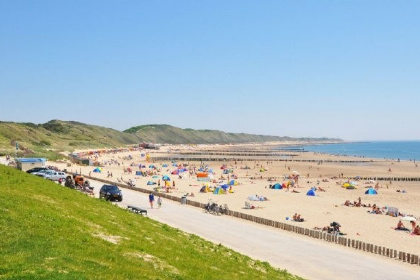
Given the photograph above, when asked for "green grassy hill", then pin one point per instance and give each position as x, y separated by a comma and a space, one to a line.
51, 232
161, 133
54, 136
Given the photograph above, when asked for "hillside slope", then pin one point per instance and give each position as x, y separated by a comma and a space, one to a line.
55, 136
52, 232
161, 133
58, 135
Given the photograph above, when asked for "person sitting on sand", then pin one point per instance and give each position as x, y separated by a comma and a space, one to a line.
294, 218
400, 226
348, 203
413, 225
299, 219
416, 231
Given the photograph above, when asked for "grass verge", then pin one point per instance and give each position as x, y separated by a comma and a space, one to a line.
52, 232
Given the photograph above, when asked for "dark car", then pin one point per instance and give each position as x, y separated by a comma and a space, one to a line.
36, 169
110, 192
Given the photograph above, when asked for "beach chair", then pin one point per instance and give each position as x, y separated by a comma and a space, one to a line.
248, 205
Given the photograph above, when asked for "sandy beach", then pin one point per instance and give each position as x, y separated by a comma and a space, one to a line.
322, 171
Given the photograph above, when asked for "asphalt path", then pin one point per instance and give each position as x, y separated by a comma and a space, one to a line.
303, 256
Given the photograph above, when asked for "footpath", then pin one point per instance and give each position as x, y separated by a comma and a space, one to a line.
305, 257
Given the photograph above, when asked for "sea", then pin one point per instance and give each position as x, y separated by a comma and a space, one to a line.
403, 150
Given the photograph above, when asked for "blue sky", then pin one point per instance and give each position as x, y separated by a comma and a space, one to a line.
347, 69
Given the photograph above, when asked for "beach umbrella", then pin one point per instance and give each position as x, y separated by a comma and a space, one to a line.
408, 219
166, 178
151, 166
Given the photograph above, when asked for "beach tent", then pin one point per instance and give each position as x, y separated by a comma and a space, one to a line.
392, 211
166, 178
311, 192
138, 173
277, 186
149, 183
97, 169
225, 186
348, 186
155, 177
151, 166
175, 172
233, 183
202, 175
164, 165
219, 190
371, 191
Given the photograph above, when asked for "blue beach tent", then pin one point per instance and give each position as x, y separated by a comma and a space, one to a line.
311, 192
277, 186
371, 191
225, 186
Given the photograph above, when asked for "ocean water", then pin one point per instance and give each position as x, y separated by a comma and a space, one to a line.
403, 150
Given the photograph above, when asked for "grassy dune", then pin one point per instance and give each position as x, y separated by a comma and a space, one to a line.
52, 232
55, 136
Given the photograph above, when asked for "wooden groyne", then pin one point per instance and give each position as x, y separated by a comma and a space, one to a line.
317, 234
256, 158
406, 179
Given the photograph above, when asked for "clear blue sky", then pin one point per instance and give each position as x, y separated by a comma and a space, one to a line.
347, 69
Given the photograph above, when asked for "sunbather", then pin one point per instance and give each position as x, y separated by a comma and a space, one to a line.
416, 231
400, 226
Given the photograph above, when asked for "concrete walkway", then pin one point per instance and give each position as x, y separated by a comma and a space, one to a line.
303, 256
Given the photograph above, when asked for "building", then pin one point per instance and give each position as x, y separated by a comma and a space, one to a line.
25, 164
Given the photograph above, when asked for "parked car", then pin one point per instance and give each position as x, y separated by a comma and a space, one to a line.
110, 192
36, 169
41, 173
55, 176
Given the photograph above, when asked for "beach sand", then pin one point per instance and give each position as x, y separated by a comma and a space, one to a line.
318, 211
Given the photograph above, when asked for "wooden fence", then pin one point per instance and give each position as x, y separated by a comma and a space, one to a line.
327, 237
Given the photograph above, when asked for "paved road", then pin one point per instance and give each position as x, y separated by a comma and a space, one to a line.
306, 257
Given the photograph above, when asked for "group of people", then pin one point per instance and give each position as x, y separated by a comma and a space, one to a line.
152, 200
297, 218
357, 203
415, 229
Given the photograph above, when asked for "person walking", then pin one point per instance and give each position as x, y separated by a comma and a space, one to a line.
159, 201
151, 199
